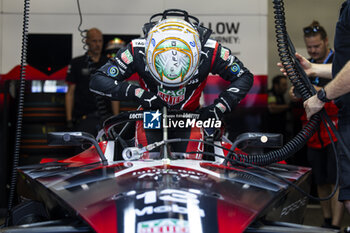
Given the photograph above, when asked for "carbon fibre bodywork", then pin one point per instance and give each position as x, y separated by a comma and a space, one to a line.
165, 195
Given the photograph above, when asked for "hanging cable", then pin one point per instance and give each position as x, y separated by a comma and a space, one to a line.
101, 102
300, 82
82, 32
18, 134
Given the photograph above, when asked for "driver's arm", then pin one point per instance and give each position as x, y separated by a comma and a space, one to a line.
232, 69
108, 80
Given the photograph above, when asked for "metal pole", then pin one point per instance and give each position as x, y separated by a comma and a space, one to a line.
165, 133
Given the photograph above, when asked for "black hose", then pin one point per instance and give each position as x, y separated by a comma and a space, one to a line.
300, 82
286, 53
287, 150
18, 133
101, 102
82, 32
244, 164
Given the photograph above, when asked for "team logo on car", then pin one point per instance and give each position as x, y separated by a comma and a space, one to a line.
163, 225
113, 71
151, 120
172, 97
127, 57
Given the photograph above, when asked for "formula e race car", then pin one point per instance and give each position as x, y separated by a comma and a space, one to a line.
116, 187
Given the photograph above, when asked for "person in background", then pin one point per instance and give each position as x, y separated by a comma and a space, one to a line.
339, 90
320, 153
113, 47
81, 106
277, 106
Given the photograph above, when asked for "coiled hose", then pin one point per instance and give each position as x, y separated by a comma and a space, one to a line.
101, 103
300, 82
82, 32
18, 134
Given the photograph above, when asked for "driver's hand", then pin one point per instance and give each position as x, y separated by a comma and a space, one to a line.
148, 100
215, 111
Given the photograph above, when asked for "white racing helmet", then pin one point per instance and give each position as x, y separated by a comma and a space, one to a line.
172, 51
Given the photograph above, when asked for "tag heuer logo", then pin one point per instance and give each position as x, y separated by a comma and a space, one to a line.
224, 54
151, 120
127, 57
172, 97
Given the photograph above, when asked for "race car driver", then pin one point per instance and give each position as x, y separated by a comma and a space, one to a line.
173, 62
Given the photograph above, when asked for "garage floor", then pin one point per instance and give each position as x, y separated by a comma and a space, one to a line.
314, 216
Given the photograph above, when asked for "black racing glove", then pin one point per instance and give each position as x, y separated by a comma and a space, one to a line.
215, 111
148, 100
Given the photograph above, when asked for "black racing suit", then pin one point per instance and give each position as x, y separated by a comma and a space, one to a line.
214, 59
341, 57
